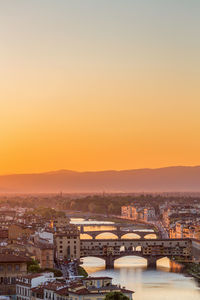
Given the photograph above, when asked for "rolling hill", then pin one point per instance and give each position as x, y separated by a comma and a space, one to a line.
169, 179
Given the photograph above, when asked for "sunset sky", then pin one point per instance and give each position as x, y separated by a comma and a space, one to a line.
95, 85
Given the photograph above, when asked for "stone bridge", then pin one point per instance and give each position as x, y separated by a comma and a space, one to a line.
151, 250
118, 232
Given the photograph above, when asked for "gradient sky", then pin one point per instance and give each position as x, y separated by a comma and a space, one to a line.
94, 85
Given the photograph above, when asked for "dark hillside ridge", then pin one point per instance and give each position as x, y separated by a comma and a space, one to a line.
169, 179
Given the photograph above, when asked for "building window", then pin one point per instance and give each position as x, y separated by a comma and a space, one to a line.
9, 267
17, 267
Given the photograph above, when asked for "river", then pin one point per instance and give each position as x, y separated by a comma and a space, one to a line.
131, 272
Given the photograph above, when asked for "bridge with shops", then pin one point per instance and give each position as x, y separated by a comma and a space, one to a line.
150, 249
118, 231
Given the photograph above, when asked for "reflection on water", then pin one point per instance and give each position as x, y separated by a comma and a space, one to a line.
109, 235
131, 272
88, 222
160, 284
99, 228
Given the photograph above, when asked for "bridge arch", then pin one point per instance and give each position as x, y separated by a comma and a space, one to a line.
85, 236
163, 262
151, 236
138, 249
106, 235
94, 261
131, 260
130, 235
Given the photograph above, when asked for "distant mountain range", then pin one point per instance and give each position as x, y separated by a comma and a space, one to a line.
170, 179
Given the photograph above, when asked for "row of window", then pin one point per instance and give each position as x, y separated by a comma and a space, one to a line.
68, 242
162, 244
7, 280
9, 268
23, 291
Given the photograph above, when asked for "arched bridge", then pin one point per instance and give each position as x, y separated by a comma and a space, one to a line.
118, 232
152, 250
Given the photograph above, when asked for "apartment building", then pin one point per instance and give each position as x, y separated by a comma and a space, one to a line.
11, 267
67, 243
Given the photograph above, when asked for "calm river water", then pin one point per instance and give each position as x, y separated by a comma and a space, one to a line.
131, 272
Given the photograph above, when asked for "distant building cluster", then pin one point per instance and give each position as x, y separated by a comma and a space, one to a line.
137, 212
178, 220
182, 221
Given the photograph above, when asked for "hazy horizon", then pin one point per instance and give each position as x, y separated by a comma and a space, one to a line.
99, 171
171, 179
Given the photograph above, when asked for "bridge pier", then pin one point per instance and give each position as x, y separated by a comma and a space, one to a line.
81, 229
109, 262
151, 262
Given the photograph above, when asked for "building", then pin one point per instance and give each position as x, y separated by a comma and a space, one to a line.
16, 231
126, 212
25, 284
138, 213
149, 214
67, 243
91, 288
11, 267
55, 290
43, 253
3, 235
97, 281
94, 289
60, 222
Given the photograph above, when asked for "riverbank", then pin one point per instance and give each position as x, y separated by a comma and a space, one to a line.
187, 268
192, 269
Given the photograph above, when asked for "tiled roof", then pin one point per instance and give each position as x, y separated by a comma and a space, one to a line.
3, 234
13, 258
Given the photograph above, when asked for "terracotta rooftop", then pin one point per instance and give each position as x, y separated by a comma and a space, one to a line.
54, 286
3, 234
31, 276
13, 258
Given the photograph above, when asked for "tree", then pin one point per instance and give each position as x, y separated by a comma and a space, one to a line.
116, 296
34, 269
33, 266
82, 272
92, 207
111, 208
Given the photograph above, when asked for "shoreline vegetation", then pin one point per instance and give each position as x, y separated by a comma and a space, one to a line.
190, 269
82, 272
